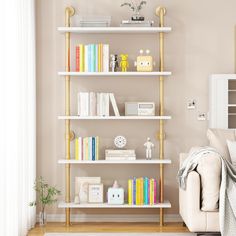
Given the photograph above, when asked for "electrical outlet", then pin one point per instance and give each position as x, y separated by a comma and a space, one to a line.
191, 104
201, 116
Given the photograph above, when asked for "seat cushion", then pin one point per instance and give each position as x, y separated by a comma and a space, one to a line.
217, 139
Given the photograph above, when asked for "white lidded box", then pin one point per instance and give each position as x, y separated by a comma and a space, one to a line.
140, 109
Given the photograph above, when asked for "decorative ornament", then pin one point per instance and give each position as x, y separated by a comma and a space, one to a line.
120, 141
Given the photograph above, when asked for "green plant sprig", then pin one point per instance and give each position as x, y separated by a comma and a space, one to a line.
46, 193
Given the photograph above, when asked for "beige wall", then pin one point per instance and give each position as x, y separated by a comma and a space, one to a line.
202, 43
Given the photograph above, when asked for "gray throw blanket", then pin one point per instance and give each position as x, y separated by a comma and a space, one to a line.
227, 203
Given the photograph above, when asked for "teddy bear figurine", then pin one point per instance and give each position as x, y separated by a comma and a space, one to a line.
114, 64
124, 64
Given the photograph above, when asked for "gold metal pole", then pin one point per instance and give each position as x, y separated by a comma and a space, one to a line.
69, 12
160, 11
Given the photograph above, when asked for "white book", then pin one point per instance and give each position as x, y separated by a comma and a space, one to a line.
102, 104
80, 148
120, 158
84, 104
98, 105
107, 104
78, 104
93, 104
86, 58
114, 105
105, 57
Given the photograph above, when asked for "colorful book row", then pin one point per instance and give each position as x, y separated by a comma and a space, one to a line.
142, 191
87, 149
92, 58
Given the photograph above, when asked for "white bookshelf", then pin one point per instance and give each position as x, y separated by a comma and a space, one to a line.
114, 74
114, 117
114, 30
165, 204
104, 162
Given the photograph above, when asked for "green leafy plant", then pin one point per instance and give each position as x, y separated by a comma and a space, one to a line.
136, 7
46, 193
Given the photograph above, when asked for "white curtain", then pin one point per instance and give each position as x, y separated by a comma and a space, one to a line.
17, 116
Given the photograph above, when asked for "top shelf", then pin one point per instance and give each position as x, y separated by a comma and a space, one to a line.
114, 30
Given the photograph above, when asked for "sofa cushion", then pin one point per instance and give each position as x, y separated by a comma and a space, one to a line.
217, 139
209, 168
232, 151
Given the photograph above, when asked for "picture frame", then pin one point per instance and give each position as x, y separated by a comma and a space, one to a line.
95, 193
82, 187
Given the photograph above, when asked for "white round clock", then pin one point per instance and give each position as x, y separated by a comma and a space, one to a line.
120, 141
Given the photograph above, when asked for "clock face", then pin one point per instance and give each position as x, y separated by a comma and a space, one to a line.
120, 141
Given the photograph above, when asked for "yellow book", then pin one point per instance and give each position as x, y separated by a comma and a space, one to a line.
141, 191
81, 47
130, 192
138, 191
97, 148
76, 149
151, 191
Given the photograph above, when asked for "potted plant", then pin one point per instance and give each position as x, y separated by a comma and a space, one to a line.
46, 196
136, 7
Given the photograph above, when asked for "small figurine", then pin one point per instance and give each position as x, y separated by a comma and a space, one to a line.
144, 63
115, 194
124, 64
149, 146
114, 64
76, 200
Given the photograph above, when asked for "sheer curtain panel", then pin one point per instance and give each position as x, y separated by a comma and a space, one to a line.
17, 116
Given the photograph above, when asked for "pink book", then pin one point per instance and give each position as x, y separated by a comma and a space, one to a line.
149, 191
155, 191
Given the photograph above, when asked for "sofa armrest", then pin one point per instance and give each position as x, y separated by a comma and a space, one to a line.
182, 157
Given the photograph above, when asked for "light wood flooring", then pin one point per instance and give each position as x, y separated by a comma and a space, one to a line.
107, 227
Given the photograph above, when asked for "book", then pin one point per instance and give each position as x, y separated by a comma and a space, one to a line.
86, 58
77, 61
130, 191
114, 105
92, 104
76, 149
83, 101
81, 46
141, 191
96, 58
93, 149
134, 191
97, 148
80, 140
105, 58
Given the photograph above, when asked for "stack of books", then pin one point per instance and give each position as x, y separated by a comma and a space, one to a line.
87, 149
120, 155
96, 104
132, 23
92, 58
142, 191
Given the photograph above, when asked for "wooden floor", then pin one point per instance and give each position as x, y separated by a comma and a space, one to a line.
108, 227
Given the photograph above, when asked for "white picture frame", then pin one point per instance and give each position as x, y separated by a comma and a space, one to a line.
81, 187
95, 193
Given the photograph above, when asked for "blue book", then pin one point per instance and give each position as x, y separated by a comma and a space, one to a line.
146, 191
96, 58
89, 58
93, 149
134, 191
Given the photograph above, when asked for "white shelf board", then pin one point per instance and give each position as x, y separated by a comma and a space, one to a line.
165, 204
114, 117
114, 74
231, 105
232, 114
99, 162
232, 90
114, 30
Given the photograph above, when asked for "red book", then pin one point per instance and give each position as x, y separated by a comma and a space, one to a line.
77, 62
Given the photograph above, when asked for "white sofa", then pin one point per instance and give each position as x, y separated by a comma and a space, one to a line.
190, 206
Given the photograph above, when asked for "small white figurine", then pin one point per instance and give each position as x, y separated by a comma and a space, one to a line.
77, 201
149, 146
114, 64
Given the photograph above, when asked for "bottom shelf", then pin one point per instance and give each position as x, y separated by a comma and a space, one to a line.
165, 204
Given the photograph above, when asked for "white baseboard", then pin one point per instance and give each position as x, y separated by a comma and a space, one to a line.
113, 218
